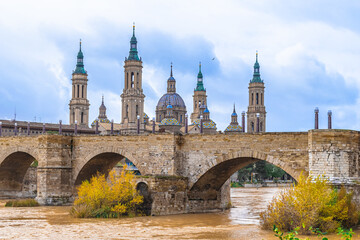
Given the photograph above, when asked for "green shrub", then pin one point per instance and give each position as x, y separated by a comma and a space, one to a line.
312, 203
235, 185
22, 203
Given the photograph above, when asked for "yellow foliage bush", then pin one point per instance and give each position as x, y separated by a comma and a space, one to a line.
112, 197
311, 204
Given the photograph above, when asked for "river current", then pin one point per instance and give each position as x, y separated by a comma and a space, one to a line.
240, 222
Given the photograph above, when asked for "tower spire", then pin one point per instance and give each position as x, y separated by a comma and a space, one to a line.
171, 74
171, 83
256, 75
200, 84
133, 53
80, 62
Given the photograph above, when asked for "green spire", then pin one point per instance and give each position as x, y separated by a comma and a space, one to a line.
133, 54
256, 76
200, 85
80, 62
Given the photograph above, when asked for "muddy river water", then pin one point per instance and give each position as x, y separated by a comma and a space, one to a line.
241, 222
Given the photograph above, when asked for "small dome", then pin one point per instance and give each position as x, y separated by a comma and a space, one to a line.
206, 124
234, 114
171, 78
169, 121
172, 99
233, 128
102, 120
169, 106
206, 110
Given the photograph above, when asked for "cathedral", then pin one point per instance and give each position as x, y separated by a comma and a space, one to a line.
170, 114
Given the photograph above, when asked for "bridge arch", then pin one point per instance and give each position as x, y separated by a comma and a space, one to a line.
101, 160
209, 182
14, 164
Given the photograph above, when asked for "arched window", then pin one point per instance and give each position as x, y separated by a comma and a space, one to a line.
137, 110
137, 81
127, 81
78, 89
82, 117
252, 98
132, 80
257, 98
82, 91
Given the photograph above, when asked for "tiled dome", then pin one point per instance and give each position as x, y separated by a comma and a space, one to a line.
233, 128
169, 121
100, 121
173, 99
206, 124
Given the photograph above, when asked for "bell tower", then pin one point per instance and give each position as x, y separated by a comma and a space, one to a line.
199, 97
132, 98
256, 114
79, 104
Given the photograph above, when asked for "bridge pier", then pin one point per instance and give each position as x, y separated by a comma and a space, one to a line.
54, 173
198, 204
54, 185
334, 154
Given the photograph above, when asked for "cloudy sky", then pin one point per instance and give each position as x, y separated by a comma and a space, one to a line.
309, 52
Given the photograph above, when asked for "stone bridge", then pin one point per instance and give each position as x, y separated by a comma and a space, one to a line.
182, 173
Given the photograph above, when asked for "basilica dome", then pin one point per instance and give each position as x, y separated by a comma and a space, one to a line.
173, 99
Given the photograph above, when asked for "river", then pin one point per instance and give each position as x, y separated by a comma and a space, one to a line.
241, 222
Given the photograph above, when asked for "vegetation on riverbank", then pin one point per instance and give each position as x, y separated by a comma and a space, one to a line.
107, 198
22, 203
311, 204
344, 233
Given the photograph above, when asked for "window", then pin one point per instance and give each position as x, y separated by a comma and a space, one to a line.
137, 110
74, 91
252, 98
137, 80
127, 81
252, 126
132, 80
82, 91
127, 110
160, 118
257, 98
73, 117
261, 127
180, 118
82, 117
78, 89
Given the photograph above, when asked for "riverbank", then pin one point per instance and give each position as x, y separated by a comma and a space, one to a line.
54, 223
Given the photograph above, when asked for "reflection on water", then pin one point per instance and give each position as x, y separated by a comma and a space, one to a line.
55, 223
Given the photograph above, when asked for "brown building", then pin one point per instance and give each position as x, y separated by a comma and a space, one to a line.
256, 114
